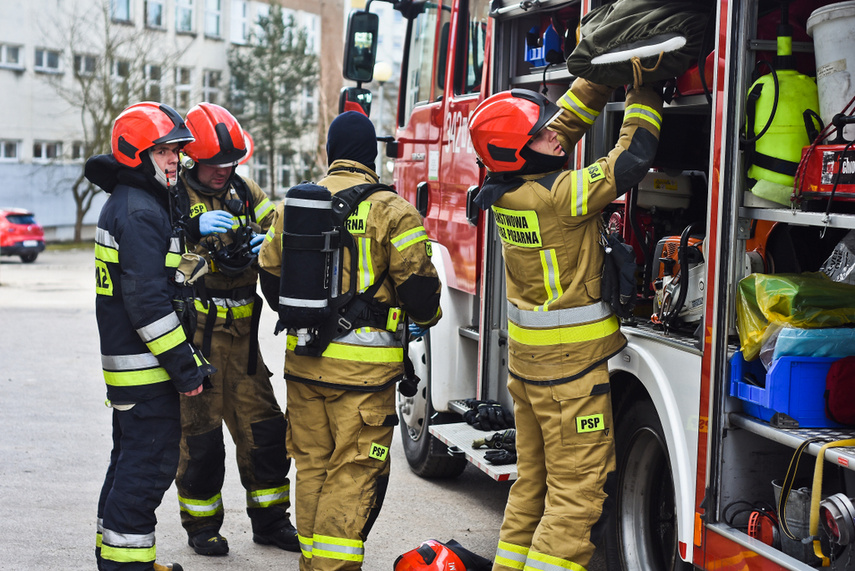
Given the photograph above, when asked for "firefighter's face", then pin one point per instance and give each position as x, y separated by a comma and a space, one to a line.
214, 177
165, 156
546, 142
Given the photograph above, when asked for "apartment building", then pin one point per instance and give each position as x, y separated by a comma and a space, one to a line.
183, 45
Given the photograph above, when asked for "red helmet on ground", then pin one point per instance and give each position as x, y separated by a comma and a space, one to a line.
431, 555
504, 123
219, 137
142, 126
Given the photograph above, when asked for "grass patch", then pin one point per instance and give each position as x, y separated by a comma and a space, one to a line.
61, 246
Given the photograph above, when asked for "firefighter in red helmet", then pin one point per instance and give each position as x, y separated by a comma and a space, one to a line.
146, 351
560, 332
228, 217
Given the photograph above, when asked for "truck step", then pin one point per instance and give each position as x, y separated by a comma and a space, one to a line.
459, 437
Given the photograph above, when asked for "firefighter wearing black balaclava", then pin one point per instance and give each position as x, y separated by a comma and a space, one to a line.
146, 352
560, 332
341, 405
228, 216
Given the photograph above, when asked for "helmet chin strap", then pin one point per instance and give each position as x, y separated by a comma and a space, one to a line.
160, 175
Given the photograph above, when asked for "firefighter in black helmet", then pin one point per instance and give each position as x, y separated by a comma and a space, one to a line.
229, 215
146, 354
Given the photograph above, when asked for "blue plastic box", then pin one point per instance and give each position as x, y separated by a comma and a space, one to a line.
550, 40
794, 386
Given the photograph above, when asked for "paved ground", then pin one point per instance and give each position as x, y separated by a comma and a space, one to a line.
55, 443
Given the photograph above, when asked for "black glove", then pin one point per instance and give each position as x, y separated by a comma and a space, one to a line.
487, 415
500, 457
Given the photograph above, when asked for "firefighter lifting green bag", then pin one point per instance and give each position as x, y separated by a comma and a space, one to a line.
657, 39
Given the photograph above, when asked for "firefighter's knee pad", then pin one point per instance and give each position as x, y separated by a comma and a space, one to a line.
270, 461
206, 468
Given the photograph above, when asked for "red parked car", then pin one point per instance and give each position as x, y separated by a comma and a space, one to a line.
20, 235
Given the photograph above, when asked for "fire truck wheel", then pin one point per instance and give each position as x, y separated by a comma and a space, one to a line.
643, 532
427, 456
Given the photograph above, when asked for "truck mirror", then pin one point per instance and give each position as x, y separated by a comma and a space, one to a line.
360, 46
349, 97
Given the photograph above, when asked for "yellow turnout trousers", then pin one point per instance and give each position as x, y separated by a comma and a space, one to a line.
339, 440
565, 450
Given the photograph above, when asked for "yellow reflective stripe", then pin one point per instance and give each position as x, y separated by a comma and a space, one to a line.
135, 378
201, 508
166, 342
366, 270
128, 554
542, 562
408, 238
560, 335
268, 497
578, 193
270, 234
172, 260
573, 104
364, 354
645, 113
511, 555
263, 208
551, 277
305, 546
339, 548
106, 254
238, 221
238, 312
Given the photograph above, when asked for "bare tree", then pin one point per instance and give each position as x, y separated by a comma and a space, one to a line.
113, 64
269, 76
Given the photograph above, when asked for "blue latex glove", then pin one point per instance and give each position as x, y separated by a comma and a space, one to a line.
215, 222
417, 331
256, 241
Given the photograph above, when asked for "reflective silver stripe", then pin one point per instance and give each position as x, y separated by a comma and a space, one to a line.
366, 275
517, 558
579, 194
228, 302
207, 509
306, 203
335, 548
105, 238
117, 539
99, 524
542, 562
160, 327
175, 245
129, 362
369, 338
401, 242
570, 102
296, 302
253, 500
551, 276
558, 317
646, 113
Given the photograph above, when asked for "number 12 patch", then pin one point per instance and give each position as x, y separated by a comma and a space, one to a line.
590, 423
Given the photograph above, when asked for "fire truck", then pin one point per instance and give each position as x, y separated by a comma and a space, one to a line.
698, 473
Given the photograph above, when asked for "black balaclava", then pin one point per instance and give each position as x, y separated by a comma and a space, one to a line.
352, 137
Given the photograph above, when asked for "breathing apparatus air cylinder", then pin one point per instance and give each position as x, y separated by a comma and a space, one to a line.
779, 116
310, 261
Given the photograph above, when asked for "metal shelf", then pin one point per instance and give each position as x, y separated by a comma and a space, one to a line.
794, 437
798, 217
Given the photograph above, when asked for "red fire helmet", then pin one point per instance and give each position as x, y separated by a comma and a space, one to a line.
431, 555
504, 123
142, 126
219, 137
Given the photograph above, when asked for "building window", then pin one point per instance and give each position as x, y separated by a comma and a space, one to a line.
310, 103
78, 151
85, 64
183, 86
44, 151
46, 60
183, 15
9, 150
10, 56
154, 14
213, 15
211, 85
153, 75
120, 10
240, 22
260, 169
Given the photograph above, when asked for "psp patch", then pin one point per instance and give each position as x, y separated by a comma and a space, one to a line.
591, 423
594, 173
378, 452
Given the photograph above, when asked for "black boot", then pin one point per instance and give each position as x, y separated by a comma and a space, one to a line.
209, 543
284, 538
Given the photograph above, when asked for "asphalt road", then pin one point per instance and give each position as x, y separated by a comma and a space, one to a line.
55, 445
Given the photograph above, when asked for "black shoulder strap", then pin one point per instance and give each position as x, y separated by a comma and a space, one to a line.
344, 202
548, 180
243, 193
